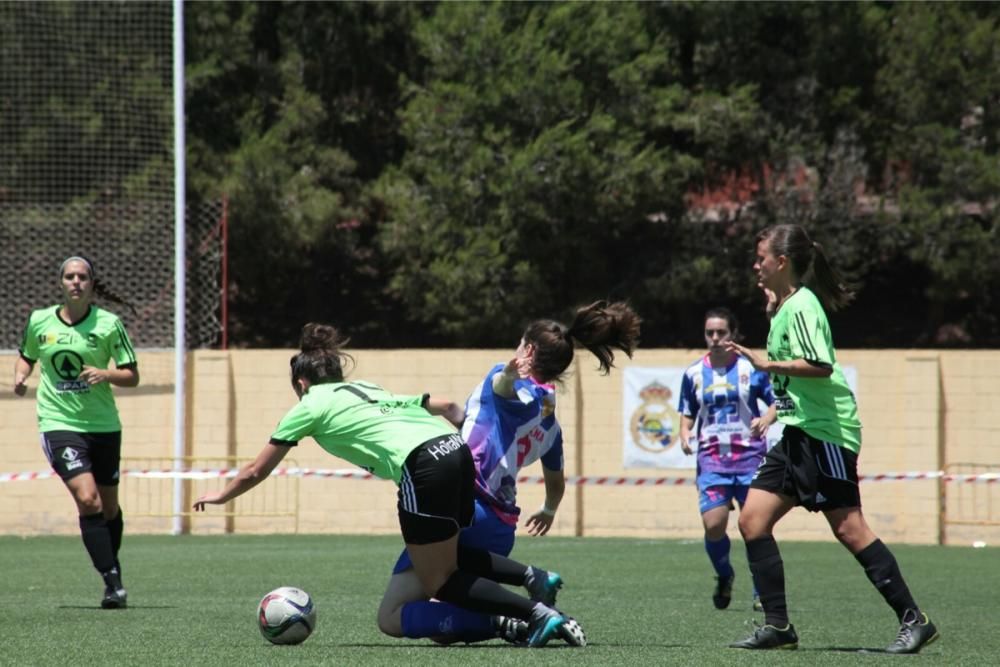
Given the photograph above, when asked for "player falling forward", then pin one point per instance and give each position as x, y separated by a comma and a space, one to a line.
399, 438
510, 423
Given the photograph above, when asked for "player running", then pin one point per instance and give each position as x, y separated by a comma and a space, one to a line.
815, 464
77, 415
720, 414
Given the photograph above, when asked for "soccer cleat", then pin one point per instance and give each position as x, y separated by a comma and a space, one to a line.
723, 592
545, 624
115, 596
572, 633
510, 629
543, 586
770, 637
913, 635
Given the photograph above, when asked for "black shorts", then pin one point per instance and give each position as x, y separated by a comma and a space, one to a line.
436, 491
71, 453
818, 475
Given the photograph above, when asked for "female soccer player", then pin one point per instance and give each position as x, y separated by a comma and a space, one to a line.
400, 438
815, 462
77, 416
719, 396
510, 423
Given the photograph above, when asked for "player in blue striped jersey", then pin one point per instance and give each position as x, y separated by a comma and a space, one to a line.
510, 423
721, 419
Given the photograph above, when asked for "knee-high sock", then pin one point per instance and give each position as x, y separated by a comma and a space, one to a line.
97, 540
492, 566
769, 575
718, 553
883, 571
468, 591
116, 527
442, 619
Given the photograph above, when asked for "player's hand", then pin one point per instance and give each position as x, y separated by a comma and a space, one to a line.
539, 523
771, 306
755, 359
20, 386
686, 446
208, 499
93, 376
758, 427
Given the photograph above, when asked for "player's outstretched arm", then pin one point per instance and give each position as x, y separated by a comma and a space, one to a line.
248, 477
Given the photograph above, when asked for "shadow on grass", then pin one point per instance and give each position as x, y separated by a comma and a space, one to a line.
90, 607
507, 647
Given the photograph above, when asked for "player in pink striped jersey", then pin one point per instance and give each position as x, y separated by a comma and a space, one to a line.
510, 423
721, 416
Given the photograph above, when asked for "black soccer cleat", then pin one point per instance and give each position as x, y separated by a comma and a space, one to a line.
511, 630
723, 591
914, 634
770, 637
115, 596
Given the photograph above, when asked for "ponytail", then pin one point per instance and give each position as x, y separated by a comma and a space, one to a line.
600, 327
100, 289
809, 263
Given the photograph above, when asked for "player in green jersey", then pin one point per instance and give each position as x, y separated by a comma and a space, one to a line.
815, 463
403, 438
77, 417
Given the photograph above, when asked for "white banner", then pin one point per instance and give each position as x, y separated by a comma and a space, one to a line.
649, 411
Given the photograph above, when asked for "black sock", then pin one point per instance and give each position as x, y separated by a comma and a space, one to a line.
97, 540
468, 591
883, 571
116, 527
769, 574
492, 566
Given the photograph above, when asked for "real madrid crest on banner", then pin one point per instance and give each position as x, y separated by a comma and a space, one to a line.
655, 422
651, 419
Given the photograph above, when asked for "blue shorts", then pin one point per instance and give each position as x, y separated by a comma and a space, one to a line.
487, 532
721, 488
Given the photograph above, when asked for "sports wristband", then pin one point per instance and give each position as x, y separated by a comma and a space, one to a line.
546, 511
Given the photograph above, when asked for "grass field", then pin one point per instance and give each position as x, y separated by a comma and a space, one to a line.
642, 602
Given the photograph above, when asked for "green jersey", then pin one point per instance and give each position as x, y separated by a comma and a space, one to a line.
65, 402
362, 423
822, 407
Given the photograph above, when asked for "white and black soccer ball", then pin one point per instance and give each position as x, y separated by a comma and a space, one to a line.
286, 615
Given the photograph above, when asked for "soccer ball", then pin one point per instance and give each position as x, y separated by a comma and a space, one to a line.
286, 615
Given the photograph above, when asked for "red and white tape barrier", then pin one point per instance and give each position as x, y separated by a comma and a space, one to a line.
982, 478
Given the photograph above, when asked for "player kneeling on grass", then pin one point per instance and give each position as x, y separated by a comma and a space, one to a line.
510, 423
400, 438
815, 464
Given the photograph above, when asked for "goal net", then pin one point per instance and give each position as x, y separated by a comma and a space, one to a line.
86, 167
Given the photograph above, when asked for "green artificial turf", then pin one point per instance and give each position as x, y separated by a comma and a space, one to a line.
192, 601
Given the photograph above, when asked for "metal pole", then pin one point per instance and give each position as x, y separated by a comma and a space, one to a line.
180, 209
